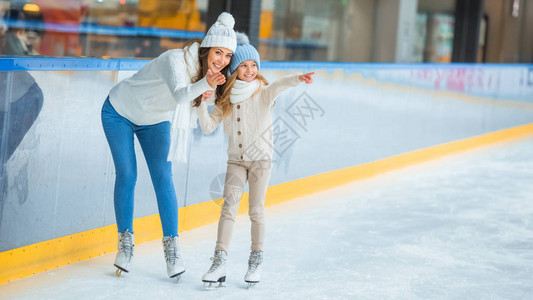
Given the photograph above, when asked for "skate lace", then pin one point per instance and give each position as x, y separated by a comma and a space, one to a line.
217, 262
171, 251
256, 258
126, 244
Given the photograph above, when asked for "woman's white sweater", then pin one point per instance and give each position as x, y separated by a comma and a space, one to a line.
150, 95
249, 125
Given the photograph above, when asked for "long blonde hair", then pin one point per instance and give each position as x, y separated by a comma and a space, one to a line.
203, 52
223, 101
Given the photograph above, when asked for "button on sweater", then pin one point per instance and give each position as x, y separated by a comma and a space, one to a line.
249, 125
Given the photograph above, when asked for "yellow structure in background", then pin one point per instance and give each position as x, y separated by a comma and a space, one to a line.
31, 8
182, 15
265, 29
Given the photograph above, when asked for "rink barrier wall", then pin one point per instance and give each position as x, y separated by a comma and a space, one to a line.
71, 242
124, 64
52, 254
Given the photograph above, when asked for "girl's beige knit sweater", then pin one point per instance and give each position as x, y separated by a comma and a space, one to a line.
249, 125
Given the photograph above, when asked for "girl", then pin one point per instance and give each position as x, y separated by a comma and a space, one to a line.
244, 106
143, 105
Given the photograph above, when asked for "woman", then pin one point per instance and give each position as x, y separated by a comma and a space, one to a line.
143, 105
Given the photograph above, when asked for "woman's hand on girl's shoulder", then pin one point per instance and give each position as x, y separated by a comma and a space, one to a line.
207, 94
307, 77
215, 79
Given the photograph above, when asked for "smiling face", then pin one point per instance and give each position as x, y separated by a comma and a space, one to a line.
218, 58
247, 70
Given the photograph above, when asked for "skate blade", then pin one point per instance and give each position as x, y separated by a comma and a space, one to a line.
208, 285
252, 284
119, 271
177, 276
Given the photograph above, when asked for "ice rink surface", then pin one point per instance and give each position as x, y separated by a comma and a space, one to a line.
460, 227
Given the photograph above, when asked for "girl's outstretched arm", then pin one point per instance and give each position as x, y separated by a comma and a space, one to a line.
272, 90
208, 122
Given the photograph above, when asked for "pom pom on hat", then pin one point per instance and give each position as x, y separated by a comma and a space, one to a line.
245, 51
221, 33
226, 19
242, 38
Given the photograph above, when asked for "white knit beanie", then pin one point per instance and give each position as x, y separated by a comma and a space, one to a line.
221, 33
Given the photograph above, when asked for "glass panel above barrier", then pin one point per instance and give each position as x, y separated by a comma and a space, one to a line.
113, 28
348, 30
407, 31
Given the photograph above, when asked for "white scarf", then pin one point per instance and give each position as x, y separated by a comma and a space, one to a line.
184, 118
183, 121
243, 90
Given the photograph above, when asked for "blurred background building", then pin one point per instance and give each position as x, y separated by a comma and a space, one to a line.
404, 31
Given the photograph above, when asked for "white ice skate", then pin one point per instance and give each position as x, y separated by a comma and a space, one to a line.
253, 276
175, 265
126, 243
217, 272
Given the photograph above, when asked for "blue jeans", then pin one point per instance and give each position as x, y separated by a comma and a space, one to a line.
155, 143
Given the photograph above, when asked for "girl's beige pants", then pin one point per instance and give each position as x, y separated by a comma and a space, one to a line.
257, 173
